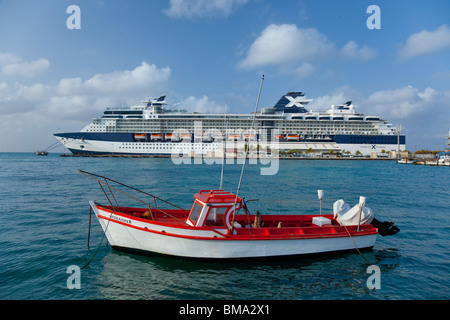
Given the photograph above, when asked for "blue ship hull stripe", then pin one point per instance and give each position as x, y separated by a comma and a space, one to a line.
100, 136
83, 152
338, 138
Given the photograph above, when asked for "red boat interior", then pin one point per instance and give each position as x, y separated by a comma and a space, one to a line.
266, 224
214, 209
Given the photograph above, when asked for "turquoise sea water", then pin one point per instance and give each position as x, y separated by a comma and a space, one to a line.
44, 225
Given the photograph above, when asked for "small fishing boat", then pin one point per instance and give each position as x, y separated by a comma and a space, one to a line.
443, 160
220, 226
406, 161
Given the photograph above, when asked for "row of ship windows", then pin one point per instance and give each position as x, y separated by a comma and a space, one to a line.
300, 129
323, 125
222, 122
168, 148
160, 145
234, 119
281, 130
371, 138
231, 129
329, 132
231, 124
238, 124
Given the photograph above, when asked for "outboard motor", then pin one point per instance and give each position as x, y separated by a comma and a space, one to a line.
386, 228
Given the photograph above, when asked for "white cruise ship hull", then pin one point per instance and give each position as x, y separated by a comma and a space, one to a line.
98, 147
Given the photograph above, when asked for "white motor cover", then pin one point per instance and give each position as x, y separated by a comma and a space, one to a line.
350, 216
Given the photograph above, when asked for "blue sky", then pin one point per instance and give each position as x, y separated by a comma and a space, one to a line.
207, 53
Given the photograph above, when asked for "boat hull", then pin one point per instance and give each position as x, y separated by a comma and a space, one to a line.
126, 233
257, 249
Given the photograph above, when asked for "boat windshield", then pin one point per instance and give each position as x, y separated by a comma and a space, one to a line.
196, 209
215, 216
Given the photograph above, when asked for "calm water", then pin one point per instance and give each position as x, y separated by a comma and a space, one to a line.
45, 219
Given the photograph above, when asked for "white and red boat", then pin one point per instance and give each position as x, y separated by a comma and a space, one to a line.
219, 226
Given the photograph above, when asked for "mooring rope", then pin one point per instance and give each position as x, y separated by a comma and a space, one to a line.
106, 228
101, 241
351, 238
53, 146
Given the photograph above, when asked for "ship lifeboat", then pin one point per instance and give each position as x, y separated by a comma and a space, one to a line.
140, 136
206, 137
234, 137
280, 136
185, 136
249, 137
172, 137
219, 226
218, 136
156, 136
293, 137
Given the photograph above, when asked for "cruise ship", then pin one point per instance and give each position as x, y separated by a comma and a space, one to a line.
154, 129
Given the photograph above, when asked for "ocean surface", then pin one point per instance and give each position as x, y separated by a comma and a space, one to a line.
44, 225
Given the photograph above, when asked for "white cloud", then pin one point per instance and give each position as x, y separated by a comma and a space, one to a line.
202, 105
441, 75
3, 88
352, 51
74, 97
339, 95
13, 65
425, 42
69, 86
202, 8
136, 80
7, 58
280, 44
401, 103
422, 114
19, 98
305, 70
393, 104
299, 51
